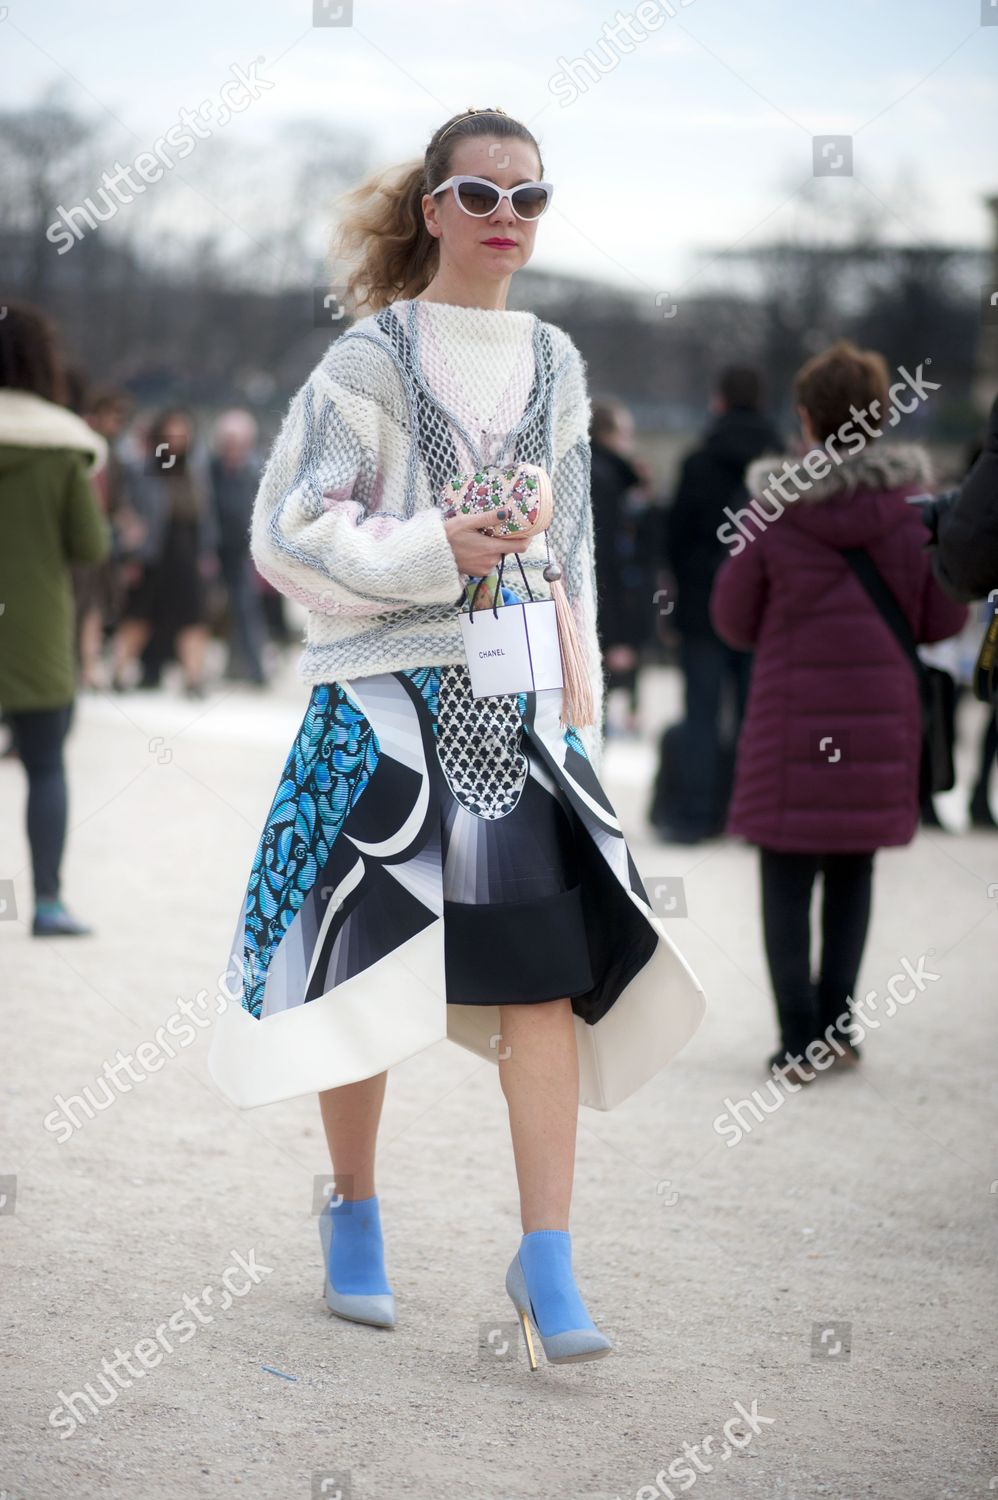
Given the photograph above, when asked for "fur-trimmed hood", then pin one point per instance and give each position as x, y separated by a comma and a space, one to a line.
880, 466
29, 421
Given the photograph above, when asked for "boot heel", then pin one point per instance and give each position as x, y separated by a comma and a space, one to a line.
525, 1325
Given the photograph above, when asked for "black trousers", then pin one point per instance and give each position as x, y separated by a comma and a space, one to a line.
807, 1006
38, 739
712, 671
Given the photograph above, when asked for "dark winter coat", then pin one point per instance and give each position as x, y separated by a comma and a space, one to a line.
830, 747
966, 558
622, 550
711, 478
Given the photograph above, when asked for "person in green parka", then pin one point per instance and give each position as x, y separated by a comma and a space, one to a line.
49, 520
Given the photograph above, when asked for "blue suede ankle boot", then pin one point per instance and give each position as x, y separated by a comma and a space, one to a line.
356, 1286
542, 1288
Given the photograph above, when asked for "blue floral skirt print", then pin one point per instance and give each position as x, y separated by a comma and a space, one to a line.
340, 875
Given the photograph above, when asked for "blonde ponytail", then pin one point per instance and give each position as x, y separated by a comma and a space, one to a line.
384, 240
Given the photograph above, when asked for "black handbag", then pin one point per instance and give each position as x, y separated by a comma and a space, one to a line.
936, 689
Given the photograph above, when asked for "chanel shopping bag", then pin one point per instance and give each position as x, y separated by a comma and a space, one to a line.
513, 648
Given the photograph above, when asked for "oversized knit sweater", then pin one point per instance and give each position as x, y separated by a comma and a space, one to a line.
347, 519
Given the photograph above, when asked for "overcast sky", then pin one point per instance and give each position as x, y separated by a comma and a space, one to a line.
696, 135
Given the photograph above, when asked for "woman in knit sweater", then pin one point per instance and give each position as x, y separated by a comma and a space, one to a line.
436, 864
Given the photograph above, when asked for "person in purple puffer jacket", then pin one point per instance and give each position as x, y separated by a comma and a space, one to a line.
830, 749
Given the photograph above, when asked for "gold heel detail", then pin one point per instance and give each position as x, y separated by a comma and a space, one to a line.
530, 1343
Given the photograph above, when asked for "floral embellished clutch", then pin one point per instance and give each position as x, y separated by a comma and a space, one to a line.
522, 489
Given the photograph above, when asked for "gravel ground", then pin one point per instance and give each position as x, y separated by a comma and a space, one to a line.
828, 1273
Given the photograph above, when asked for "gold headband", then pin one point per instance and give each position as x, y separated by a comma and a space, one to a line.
471, 110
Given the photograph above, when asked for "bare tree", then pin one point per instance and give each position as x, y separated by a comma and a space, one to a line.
41, 148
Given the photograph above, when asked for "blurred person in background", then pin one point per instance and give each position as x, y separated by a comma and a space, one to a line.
158, 650
235, 477
167, 569
715, 676
963, 524
830, 756
955, 659
624, 562
96, 587
49, 520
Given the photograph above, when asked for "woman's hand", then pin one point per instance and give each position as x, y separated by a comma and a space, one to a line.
474, 552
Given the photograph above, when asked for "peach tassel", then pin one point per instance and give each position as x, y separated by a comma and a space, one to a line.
577, 705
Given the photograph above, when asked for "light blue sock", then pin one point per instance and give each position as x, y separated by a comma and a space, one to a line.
546, 1257
357, 1256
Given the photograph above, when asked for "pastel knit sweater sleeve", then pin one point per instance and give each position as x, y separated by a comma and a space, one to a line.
571, 530
336, 523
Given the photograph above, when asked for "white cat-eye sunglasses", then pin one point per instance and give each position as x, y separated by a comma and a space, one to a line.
479, 197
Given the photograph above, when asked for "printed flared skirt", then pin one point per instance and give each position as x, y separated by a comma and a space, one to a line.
426, 854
